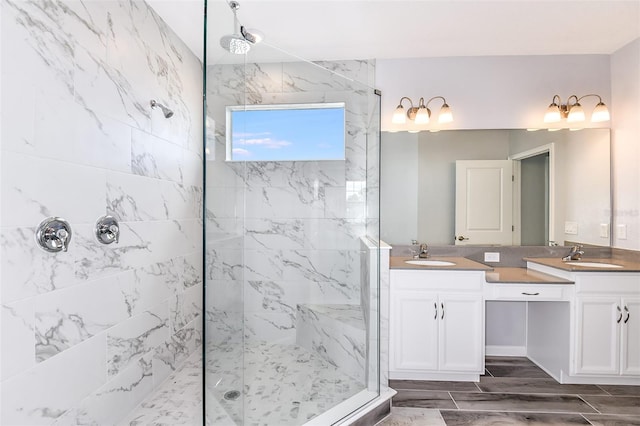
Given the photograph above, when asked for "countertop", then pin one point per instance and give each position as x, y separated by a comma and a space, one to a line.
501, 275
461, 264
627, 265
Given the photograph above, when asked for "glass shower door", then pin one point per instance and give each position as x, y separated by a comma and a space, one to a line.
291, 245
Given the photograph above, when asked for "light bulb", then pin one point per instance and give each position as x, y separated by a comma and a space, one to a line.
422, 116
576, 113
600, 113
399, 117
445, 115
553, 114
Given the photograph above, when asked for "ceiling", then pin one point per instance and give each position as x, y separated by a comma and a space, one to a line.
362, 29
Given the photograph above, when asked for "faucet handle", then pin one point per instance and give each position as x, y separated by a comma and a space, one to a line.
54, 234
107, 230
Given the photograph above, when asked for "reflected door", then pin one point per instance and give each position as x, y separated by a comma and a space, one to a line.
484, 204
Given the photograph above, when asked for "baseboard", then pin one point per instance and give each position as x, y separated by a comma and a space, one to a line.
492, 350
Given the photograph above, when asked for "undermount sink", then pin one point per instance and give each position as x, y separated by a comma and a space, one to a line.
594, 264
429, 262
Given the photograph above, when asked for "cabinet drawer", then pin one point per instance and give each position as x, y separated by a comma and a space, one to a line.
528, 292
608, 283
437, 280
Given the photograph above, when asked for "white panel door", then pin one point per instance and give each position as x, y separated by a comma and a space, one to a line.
484, 202
461, 332
598, 335
414, 330
630, 345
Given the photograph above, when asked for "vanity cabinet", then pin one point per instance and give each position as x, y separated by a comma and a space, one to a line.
436, 325
607, 337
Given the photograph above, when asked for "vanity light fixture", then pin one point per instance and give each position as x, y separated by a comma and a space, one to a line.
421, 114
573, 111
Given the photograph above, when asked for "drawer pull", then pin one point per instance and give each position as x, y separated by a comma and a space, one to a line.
620, 312
530, 294
442, 306
435, 306
628, 314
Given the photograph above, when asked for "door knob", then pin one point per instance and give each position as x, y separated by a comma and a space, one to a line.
54, 234
461, 238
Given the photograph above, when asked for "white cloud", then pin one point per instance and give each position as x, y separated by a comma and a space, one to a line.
266, 142
241, 151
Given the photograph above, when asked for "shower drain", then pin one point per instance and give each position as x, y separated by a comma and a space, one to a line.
232, 395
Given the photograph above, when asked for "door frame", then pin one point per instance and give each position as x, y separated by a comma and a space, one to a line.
517, 196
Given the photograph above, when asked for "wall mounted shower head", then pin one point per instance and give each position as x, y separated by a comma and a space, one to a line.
166, 111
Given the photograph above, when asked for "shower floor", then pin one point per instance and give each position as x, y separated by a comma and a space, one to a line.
283, 385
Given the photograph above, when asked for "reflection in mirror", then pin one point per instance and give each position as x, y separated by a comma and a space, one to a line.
561, 184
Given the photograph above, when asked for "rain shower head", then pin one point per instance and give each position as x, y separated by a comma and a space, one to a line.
240, 42
166, 111
235, 44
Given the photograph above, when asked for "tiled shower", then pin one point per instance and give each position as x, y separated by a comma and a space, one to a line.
279, 249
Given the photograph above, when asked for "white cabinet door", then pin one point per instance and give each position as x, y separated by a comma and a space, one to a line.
414, 330
598, 335
630, 345
461, 332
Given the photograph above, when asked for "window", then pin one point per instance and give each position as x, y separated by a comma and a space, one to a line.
291, 132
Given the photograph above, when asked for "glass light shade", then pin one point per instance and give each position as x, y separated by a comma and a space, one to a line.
576, 113
399, 116
601, 113
445, 115
553, 114
422, 116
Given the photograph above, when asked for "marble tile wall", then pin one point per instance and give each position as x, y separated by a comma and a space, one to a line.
88, 334
283, 233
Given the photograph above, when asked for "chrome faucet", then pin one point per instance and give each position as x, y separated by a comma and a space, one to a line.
575, 253
424, 251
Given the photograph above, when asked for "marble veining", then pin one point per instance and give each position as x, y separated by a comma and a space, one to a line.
89, 333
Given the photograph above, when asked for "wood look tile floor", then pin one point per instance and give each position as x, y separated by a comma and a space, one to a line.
514, 391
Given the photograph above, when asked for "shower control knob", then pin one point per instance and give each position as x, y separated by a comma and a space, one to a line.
107, 230
53, 234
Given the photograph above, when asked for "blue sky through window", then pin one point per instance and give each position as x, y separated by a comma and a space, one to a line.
287, 132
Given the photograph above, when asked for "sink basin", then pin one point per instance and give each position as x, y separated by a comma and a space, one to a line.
429, 262
594, 264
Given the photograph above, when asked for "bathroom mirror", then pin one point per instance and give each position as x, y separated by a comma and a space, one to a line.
561, 184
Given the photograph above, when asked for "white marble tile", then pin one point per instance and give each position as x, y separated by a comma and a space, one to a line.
279, 202
45, 392
120, 395
334, 234
17, 348
31, 190
224, 264
135, 198
275, 233
337, 334
295, 265
136, 337
295, 174
66, 317
85, 260
97, 141
184, 307
193, 273
170, 355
